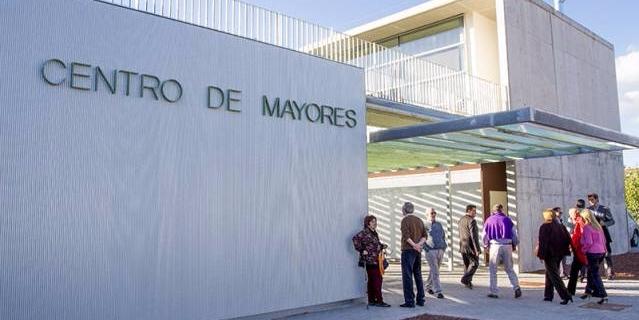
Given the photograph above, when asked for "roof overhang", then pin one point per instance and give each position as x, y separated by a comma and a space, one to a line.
503, 136
389, 114
420, 15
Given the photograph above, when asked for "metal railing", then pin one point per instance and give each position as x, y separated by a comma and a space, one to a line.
390, 74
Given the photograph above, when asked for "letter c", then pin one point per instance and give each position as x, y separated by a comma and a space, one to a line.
44, 72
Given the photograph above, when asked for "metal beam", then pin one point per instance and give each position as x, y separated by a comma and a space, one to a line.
506, 118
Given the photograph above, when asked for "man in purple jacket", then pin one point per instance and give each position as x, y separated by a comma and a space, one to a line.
500, 239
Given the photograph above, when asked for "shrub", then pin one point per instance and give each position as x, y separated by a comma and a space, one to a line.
631, 182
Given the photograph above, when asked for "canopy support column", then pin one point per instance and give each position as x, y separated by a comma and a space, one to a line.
449, 217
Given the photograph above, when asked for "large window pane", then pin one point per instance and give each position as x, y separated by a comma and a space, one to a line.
438, 36
451, 58
442, 43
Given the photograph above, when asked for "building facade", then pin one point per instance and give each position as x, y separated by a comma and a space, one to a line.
208, 159
540, 58
154, 169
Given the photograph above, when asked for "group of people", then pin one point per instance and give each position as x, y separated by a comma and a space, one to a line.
588, 239
590, 243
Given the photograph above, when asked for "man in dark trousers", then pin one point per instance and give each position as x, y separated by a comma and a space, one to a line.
469, 244
413, 238
605, 219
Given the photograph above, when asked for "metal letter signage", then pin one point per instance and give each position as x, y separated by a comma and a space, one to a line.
86, 77
83, 76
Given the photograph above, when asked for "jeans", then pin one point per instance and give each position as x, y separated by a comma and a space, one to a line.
412, 267
434, 258
471, 263
595, 285
504, 253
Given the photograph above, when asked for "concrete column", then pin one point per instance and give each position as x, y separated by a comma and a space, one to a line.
449, 217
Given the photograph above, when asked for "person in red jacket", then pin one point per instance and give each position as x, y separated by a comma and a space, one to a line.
579, 258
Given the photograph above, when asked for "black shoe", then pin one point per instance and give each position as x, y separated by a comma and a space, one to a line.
421, 303
383, 305
585, 296
440, 296
468, 284
407, 305
602, 301
564, 302
430, 291
492, 295
581, 279
517, 293
548, 299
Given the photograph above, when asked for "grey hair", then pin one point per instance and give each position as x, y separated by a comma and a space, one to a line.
408, 208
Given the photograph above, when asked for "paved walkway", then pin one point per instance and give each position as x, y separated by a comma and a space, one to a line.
462, 302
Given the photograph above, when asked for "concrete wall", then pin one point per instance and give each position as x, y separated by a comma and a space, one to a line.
559, 66
483, 57
124, 207
386, 195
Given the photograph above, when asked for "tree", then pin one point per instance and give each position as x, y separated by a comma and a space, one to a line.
632, 191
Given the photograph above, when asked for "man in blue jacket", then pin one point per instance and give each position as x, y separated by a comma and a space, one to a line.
435, 247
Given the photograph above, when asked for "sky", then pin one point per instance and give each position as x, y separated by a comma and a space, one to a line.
614, 20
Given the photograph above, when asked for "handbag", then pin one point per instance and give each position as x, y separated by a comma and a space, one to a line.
382, 262
361, 262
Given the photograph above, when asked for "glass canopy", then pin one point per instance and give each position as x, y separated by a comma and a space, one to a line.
502, 136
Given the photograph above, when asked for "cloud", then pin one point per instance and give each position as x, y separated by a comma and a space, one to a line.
628, 86
629, 105
627, 66
631, 97
628, 71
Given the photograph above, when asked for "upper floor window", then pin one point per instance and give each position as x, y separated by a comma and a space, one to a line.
442, 43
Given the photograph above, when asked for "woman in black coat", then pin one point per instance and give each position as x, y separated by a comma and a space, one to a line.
554, 245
